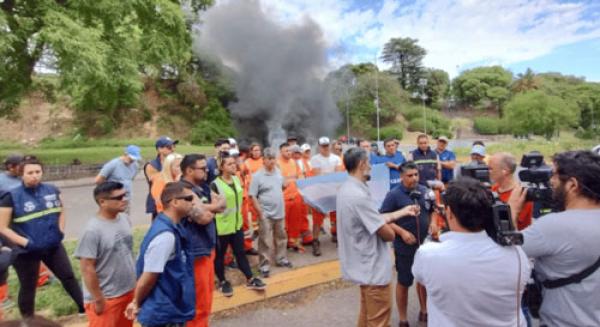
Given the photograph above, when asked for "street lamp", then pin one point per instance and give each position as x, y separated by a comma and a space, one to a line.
422, 84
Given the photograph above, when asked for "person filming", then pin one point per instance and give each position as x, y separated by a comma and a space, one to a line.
565, 244
470, 279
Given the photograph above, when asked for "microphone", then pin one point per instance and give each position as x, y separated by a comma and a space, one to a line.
415, 196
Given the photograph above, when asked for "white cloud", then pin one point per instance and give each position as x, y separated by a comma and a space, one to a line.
455, 33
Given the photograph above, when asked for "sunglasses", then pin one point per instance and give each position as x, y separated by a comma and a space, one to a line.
205, 168
188, 198
119, 197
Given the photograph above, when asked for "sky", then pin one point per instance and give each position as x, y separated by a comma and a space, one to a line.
545, 35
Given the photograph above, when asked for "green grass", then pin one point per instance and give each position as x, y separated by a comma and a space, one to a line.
566, 142
52, 299
64, 151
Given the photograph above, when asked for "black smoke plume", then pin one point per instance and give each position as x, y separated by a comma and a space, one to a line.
277, 72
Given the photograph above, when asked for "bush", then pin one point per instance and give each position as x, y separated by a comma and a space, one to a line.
215, 124
436, 126
395, 131
487, 125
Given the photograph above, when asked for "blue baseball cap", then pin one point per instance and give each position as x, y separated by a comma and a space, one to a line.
133, 151
164, 141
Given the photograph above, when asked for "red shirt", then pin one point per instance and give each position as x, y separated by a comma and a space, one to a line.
526, 213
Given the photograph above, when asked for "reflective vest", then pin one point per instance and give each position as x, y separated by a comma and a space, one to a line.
427, 163
35, 215
173, 298
230, 220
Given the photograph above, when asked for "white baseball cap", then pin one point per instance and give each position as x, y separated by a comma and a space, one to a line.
324, 140
305, 147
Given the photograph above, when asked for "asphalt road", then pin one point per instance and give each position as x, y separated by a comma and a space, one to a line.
80, 206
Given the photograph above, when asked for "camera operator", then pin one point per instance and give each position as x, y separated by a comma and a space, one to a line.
470, 279
502, 167
565, 244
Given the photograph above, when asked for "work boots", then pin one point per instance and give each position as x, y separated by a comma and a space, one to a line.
316, 248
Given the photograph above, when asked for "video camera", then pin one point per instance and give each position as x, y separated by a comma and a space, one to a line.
480, 172
502, 229
537, 175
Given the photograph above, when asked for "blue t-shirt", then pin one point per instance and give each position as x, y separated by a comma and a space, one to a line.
447, 174
399, 198
8, 182
117, 170
397, 159
213, 170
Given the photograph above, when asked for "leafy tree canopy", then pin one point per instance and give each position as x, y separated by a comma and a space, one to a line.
98, 48
539, 113
405, 56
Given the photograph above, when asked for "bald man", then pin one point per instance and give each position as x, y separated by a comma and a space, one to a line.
502, 170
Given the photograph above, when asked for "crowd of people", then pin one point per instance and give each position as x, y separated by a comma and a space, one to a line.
211, 212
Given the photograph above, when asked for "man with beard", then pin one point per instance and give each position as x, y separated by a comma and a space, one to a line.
410, 234
565, 244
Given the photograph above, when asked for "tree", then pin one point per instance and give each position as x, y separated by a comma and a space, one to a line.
437, 87
405, 56
526, 82
483, 86
538, 113
97, 48
355, 86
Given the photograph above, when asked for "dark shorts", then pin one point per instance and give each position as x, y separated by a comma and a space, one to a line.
404, 264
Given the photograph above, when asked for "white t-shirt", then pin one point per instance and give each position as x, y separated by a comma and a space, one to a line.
326, 165
471, 280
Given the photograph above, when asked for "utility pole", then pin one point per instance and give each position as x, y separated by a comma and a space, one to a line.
422, 83
377, 97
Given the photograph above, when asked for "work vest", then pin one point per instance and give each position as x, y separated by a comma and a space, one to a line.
230, 220
173, 298
35, 215
427, 165
150, 203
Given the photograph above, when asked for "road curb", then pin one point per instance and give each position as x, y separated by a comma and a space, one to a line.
277, 285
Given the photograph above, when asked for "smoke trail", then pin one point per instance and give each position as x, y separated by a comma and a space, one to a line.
277, 71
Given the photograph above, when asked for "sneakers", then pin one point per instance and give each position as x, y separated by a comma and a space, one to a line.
316, 248
226, 289
265, 273
285, 263
256, 284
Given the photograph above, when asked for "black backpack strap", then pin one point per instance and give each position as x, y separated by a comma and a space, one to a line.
577, 278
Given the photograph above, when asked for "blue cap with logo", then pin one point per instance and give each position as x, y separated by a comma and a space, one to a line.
133, 151
164, 141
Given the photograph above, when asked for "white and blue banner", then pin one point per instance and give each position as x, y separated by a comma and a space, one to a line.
320, 192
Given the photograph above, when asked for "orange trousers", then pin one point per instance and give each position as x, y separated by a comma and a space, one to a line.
3, 297
294, 210
204, 280
248, 209
318, 218
113, 315
305, 226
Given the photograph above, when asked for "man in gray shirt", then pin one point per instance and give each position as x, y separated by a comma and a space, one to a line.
266, 191
565, 243
105, 252
122, 169
363, 234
